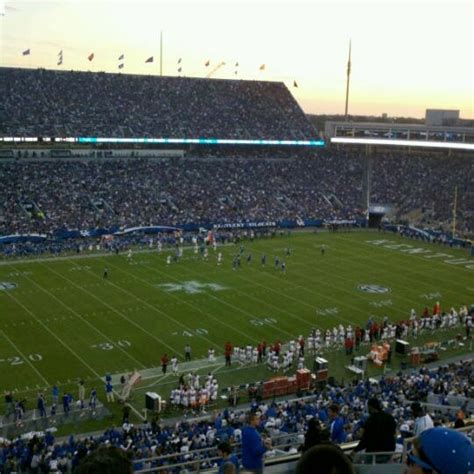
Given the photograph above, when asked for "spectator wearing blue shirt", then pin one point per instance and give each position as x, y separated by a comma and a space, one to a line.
253, 447
337, 425
225, 451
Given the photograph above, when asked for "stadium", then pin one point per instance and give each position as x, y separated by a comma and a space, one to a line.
194, 277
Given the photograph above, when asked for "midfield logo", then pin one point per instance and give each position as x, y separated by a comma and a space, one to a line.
367, 288
7, 285
191, 287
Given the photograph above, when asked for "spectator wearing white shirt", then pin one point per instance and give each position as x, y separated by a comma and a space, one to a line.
423, 421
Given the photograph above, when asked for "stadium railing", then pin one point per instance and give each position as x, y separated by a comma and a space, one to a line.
281, 461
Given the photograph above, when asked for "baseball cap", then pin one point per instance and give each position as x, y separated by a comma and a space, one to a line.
447, 451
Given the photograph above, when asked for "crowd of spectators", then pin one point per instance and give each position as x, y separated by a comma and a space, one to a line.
170, 192
138, 192
85, 104
338, 406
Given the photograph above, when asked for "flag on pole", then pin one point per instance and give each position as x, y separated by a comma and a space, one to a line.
180, 69
236, 64
207, 63
60, 53
121, 57
90, 57
295, 84
179, 60
120, 66
262, 67
60, 61
26, 52
60, 58
149, 60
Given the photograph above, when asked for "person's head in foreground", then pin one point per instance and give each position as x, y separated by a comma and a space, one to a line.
324, 459
441, 451
105, 460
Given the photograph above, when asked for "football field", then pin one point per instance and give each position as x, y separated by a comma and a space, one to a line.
61, 320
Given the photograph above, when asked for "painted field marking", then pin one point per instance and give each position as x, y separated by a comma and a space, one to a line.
26, 359
94, 328
120, 313
198, 308
72, 351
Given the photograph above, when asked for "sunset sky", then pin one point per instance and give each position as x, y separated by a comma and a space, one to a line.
407, 55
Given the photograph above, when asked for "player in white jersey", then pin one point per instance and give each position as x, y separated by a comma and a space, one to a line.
197, 381
168, 260
159, 246
214, 244
174, 365
205, 254
254, 355
192, 397
219, 258
211, 357
327, 338
311, 344
300, 363
248, 354
129, 254
275, 363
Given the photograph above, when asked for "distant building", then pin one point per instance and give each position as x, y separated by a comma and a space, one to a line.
442, 117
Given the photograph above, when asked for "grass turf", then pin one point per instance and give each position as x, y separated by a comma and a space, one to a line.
64, 321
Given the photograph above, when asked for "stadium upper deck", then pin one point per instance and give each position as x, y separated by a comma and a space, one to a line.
44, 103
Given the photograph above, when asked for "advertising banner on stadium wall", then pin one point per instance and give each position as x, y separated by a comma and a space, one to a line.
17, 238
155, 229
75, 234
190, 227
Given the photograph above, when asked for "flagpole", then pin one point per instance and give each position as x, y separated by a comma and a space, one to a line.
161, 53
348, 81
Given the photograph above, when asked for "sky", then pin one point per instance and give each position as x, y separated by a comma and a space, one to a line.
407, 55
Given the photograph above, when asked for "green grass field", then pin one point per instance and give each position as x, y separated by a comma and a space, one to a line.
64, 321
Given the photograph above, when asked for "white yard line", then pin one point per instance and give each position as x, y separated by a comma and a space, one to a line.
116, 311
194, 306
25, 358
84, 320
293, 315
406, 269
356, 294
188, 303
72, 351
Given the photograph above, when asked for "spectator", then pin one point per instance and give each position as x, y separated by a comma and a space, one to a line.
337, 425
423, 421
441, 451
253, 447
105, 460
313, 435
324, 459
378, 430
225, 451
